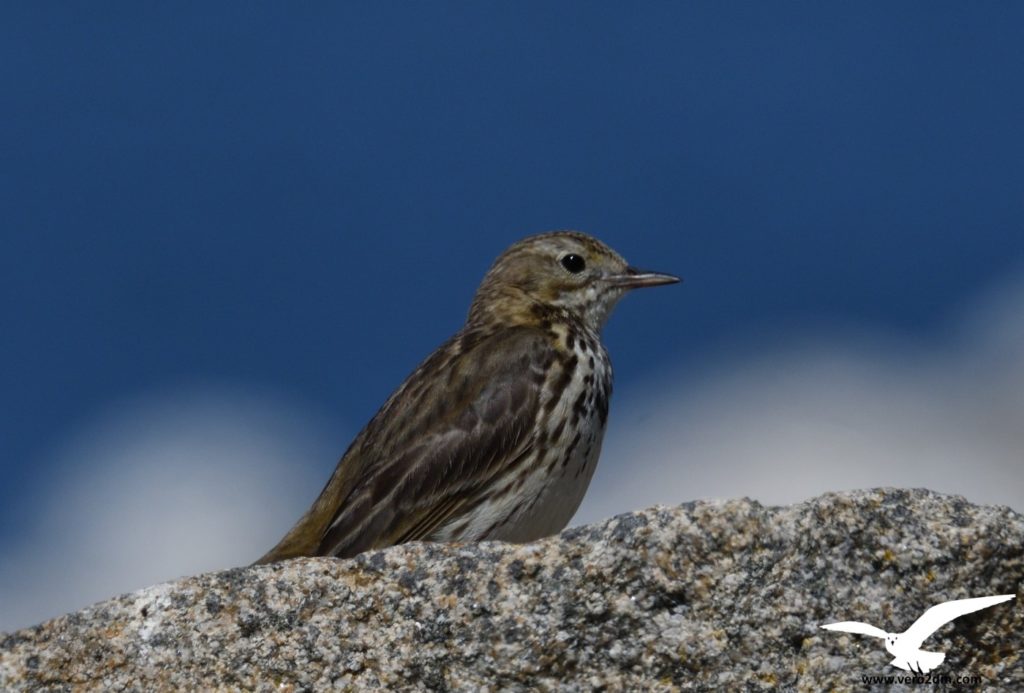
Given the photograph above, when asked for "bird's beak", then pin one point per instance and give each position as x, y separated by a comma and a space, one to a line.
634, 278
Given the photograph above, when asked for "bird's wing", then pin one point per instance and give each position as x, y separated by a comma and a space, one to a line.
857, 627
465, 413
472, 417
941, 614
422, 525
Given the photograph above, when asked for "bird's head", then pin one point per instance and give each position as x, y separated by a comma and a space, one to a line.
565, 270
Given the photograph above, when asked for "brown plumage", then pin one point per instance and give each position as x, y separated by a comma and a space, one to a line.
497, 433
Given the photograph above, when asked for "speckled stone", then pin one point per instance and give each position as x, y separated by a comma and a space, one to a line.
706, 596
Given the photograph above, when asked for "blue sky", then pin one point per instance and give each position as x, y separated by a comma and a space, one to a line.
298, 201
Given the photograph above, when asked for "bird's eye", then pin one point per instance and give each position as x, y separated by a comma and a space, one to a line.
574, 263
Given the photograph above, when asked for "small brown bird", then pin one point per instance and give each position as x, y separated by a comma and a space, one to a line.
497, 433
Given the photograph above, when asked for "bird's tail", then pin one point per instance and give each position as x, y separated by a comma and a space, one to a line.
921, 661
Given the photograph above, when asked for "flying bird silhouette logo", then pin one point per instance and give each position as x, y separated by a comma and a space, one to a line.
906, 646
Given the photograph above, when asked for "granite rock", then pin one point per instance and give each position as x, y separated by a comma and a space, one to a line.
724, 595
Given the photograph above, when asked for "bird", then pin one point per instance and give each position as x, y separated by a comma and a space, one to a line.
906, 646
496, 434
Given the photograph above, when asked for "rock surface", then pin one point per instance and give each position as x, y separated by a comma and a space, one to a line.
707, 596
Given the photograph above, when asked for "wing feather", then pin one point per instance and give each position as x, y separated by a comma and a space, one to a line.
941, 614
421, 526
857, 627
432, 449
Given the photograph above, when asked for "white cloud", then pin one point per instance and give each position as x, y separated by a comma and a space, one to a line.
830, 410
171, 484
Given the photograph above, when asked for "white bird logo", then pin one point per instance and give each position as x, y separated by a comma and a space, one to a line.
906, 646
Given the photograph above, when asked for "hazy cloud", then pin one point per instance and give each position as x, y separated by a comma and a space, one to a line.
171, 484
829, 410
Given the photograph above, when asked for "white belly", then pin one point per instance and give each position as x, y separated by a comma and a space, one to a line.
555, 500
